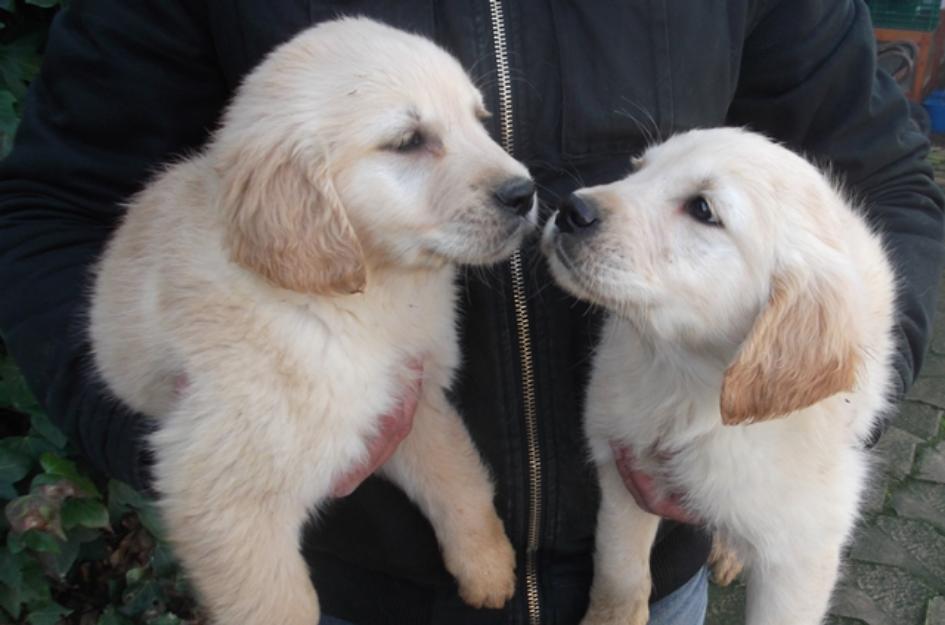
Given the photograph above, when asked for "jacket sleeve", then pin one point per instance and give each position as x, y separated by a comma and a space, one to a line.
124, 86
809, 78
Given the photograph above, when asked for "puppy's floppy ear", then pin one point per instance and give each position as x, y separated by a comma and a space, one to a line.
285, 221
802, 349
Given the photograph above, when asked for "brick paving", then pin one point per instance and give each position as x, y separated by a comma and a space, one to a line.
895, 571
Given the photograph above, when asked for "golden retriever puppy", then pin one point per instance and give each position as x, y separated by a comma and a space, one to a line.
741, 287
290, 273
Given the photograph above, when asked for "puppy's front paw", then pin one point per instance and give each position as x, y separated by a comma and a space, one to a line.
484, 567
625, 602
632, 612
724, 562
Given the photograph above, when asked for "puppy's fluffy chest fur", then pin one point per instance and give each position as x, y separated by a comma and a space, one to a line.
646, 396
366, 341
663, 404
358, 346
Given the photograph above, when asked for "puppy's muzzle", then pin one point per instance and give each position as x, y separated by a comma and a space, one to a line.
516, 195
577, 215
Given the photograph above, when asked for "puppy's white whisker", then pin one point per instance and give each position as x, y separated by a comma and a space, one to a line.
651, 132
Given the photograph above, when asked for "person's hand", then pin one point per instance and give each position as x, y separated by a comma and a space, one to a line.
394, 427
644, 492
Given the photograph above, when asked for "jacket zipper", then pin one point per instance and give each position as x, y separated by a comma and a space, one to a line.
506, 137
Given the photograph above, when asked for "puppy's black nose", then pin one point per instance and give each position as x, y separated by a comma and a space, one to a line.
517, 194
576, 214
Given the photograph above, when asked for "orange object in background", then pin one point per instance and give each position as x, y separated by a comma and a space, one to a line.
929, 60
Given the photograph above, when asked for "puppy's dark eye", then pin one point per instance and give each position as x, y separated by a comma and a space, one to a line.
411, 142
698, 208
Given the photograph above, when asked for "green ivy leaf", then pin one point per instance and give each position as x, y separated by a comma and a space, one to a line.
57, 465
151, 520
122, 499
13, 388
34, 446
11, 573
143, 597
8, 5
10, 601
163, 562
85, 535
46, 4
47, 613
15, 542
135, 574
8, 491
14, 465
58, 565
45, 428
41, 542
35, 585
85, 513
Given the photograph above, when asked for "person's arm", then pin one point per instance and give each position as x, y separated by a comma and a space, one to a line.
124, 87
809, 78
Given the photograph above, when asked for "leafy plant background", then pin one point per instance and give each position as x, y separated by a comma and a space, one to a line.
75, 548
23, 26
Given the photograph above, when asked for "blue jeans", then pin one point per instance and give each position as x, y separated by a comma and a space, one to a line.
684, 606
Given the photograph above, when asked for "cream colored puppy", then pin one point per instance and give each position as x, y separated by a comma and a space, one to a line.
289, 273
742, 287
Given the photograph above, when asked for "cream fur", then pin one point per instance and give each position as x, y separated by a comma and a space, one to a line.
785, 311
289, 273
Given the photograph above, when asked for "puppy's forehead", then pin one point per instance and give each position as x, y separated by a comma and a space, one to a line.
722, 155
408, 62
389, 80
682, 149
430, 85
431, 103
723, 147
383, 65
678, 163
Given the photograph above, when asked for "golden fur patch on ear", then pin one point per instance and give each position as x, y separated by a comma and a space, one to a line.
288, 228
801, 350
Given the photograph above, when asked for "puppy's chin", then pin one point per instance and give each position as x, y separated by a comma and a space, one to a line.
575, 278
488, 249
564, 270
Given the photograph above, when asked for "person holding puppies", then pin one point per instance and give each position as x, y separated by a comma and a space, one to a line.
574, 90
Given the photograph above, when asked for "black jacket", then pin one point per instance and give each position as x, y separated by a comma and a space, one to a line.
126, 85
